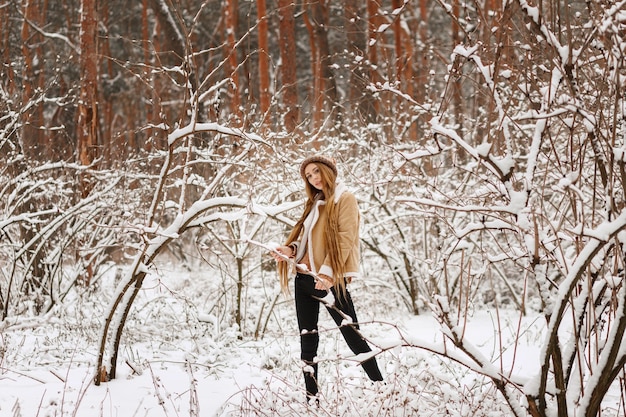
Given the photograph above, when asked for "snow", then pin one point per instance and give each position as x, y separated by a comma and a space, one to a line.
382, 28
194, 127
195, 368
181, 353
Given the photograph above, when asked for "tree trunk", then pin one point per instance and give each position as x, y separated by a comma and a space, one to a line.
404, 59
457, 99
360, 97
287, 28
326, 90
170, 42
374, 23
173, 40
315, 91
407, 66
501, 37
397, 38
87, 122
5, 47
264, 80
151, 108
33, 137
422, 67
231, 9
109, 148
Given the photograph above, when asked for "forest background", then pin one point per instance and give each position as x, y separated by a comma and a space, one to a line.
485, 140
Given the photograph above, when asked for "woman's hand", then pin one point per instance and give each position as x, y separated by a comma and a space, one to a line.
285, 250
324, 282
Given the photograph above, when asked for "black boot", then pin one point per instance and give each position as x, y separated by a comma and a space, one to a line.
310, 380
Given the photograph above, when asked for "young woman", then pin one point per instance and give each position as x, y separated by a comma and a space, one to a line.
325, 245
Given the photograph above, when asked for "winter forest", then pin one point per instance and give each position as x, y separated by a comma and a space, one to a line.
149, 161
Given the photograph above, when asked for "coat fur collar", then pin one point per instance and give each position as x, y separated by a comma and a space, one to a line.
340, 188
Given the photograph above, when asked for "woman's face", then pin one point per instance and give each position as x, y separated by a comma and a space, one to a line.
313, 176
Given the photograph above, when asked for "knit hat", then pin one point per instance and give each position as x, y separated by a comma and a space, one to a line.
329, 162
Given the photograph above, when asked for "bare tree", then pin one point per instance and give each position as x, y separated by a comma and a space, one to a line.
542, 214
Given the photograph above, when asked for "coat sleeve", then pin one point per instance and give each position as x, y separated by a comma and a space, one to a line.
349, 219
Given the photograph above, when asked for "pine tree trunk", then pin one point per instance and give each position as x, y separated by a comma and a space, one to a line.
326, 98
33, 135
231, 23
374, 22
264, 76
87, 122
360, 97
287, 28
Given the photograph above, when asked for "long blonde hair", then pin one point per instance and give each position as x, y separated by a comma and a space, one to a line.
331, 228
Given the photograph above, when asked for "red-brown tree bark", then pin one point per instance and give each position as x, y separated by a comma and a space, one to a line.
109, 147
325, 89
361, 100
264, 76
87, 113
33, 135
422, 63
375, 21
287, 29
231, 13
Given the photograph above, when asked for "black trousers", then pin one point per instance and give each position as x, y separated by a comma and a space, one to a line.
307, 310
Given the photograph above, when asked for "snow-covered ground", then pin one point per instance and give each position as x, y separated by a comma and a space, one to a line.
177, 360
